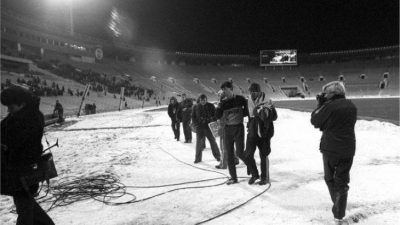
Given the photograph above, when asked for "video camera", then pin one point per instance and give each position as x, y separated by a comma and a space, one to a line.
43, 170
321, 98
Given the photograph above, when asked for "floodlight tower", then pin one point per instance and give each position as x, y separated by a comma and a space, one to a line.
71, 18
68, 4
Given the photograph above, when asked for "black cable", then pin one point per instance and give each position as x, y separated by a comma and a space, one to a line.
236, 207
162, 193
104, 188
176, 184
208, 170
107, 187
230, 210
72, 189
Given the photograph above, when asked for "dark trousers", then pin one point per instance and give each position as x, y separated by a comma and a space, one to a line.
224, 154
264, 148
203, 143
28, 210
234, 137
203, 132
187, 131
337, 178
176, 128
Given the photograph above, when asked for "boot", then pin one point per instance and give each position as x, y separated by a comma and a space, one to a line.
263, 181
220, 167
232, 181
253, 179
341, 222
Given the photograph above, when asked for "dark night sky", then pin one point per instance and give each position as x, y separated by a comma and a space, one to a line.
229, 26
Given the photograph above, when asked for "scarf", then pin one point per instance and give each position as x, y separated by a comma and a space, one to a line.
258, 104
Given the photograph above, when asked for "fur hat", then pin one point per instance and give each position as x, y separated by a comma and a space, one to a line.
15, 95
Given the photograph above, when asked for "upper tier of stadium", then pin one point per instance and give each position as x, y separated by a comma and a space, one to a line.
366, 72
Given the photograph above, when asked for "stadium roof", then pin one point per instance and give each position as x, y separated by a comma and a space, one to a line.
230, 27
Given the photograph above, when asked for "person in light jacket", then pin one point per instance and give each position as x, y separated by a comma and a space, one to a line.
262, 113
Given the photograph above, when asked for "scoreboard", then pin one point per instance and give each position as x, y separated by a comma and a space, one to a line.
278, 57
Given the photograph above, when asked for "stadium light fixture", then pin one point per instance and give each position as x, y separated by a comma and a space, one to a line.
69, 7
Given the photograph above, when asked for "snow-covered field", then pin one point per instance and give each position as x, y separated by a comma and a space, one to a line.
138, 147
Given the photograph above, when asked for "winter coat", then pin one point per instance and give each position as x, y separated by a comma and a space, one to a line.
185, 110
262, 115
22, 133
233, 109
336, 119
203, 114
173, 110
59, 109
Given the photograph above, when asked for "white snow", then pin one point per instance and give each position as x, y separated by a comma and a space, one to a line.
138, 147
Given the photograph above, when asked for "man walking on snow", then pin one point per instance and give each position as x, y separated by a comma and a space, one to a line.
203, 114
234, 109
172, 113
260, 131
184, 115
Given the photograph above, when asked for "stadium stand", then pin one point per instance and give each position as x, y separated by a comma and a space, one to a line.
71, 62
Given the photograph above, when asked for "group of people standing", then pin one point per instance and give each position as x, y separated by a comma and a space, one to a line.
335, 116
229, 113
181, 112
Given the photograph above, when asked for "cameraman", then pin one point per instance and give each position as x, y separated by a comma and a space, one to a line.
336, 116
21, 147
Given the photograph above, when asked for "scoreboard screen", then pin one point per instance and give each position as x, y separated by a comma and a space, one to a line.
278, 57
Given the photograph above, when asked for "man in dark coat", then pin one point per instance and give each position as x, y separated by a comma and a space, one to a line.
173, 114
202, 115
59, 111
233, 108
260, 131
203, 145
336, 116
184, 115
21, 148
